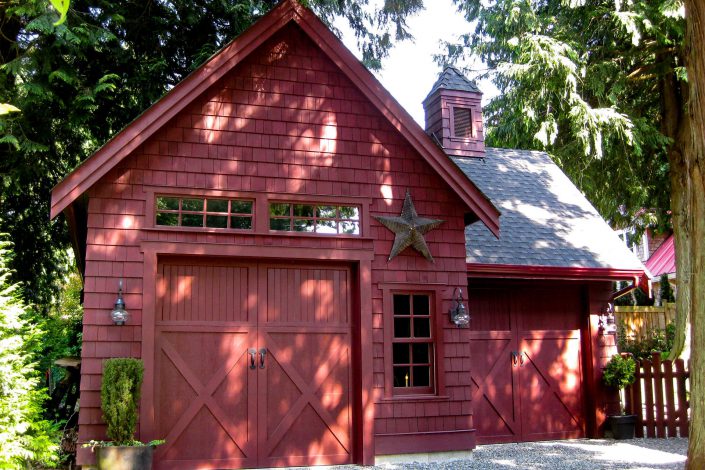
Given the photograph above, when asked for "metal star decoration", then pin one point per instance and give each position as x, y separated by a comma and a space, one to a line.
409, 230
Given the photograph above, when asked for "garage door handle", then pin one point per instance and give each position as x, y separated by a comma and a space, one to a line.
262, 354
253, 354
521, 358
514, 358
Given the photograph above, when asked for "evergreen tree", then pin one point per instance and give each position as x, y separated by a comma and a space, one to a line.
24, 436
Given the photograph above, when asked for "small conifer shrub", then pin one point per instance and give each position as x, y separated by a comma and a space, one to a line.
120, 395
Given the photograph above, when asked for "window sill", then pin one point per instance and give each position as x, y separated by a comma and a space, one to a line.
269, 233
414, 398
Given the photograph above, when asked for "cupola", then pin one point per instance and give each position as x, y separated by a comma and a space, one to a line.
454, 114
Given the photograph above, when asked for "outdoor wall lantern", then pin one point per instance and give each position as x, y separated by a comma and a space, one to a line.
458, 314
606, 324
119, 314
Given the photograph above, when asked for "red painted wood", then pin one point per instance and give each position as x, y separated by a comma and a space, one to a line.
304, 409
682, 413
550, 272
237, 140
212, 407
663, 409
669, 394
527, 376
193, 86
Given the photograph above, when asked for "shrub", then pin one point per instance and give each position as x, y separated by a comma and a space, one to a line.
656, 340
619, 372
666, 291
120, 395
24, 436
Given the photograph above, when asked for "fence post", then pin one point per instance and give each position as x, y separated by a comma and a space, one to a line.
649, 396
658, 389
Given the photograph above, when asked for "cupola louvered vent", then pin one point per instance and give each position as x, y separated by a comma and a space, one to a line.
462, 122
454, 115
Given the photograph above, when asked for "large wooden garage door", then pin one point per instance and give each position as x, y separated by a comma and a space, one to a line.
526, 363
253, 365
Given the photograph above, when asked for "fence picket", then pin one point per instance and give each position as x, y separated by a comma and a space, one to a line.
683, 404
658, 398
670, 398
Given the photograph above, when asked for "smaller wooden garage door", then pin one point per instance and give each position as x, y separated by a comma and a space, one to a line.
526, 363
253, 365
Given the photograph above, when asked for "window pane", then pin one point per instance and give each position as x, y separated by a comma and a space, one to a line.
421, 305
192, 220
217, 205
401, 304
326, 212
167, 219
422, 328
241, 207
402, 327
349, 212
280, 224
241, 222
303, 210
419, 353
326, 226
192, 205
217, 221
303, 225
422, 376
350, 228
402, 376
279, 209
168, 203
400, 353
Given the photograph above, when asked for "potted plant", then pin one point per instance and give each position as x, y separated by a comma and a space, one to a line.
119, 396
619, 374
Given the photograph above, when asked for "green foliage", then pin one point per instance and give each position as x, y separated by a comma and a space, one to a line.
619, 372
656, 340
24, 436
120, 395
583, 80
665, 290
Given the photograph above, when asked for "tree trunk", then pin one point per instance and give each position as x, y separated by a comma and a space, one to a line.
695, 161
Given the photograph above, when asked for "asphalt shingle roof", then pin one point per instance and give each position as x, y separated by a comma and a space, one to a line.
452, 79
545, 219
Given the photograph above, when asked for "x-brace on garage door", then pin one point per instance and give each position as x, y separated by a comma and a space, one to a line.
253, 365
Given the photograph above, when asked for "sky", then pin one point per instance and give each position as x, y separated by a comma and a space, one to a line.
409, 72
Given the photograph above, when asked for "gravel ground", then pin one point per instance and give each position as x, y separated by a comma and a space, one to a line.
580, 454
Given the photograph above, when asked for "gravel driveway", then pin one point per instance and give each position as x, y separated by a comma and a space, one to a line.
580, 454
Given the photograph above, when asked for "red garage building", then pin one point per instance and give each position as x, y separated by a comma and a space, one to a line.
287, 314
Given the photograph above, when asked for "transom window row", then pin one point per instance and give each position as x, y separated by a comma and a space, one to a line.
238, 214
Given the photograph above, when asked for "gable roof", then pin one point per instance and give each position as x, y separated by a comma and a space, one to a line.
452, 79
663, 261
155, 117
545, 221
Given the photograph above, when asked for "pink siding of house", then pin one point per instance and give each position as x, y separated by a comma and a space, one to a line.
284, 123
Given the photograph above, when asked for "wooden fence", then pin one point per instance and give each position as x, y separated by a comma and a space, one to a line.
659, 398
639, 321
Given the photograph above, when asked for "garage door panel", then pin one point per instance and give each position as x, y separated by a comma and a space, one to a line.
493, 388
202, 293
527, 377
294, 406
307, 295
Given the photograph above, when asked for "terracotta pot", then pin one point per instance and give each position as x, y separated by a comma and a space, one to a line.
124, 457
623, 426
